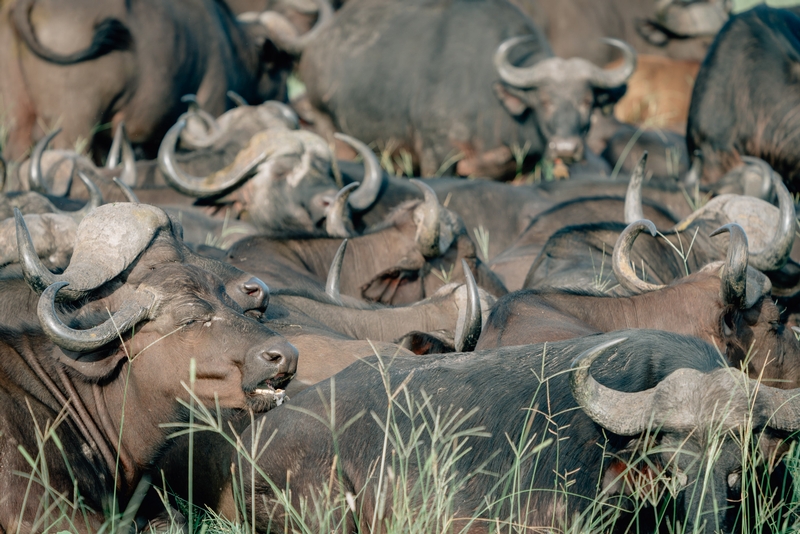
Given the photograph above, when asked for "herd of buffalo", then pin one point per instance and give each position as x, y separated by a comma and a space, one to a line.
187, 229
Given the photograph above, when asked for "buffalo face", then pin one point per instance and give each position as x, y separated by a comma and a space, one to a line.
560, 94
238, 361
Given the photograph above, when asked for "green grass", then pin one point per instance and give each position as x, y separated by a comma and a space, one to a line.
417, 475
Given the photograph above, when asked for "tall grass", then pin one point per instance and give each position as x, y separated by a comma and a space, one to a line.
415, 480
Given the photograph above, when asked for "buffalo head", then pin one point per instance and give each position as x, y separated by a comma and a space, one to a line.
698, 423
128, 290
561, 93
282, 179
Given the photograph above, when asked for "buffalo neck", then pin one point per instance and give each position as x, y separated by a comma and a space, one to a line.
687, 307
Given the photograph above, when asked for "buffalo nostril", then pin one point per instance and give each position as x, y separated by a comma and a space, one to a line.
274, 356
258, 291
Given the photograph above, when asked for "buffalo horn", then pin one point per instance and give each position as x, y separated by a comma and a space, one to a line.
535, 75
126, 190
608, 79
633, 196
364, 197
336, 219
428, 228
237, 99
95, 199
35, 174
116, 146
132, 312
193, 108
516, 76
294, 45
776, 253
470, 331
36, 274
734, 276
621, 258
621, 413
217, 184
333, 283
122, 146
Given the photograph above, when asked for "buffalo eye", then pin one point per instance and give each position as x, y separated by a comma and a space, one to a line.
193, 314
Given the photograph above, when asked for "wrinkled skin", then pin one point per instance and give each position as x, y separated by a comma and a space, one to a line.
305, 447
197, 320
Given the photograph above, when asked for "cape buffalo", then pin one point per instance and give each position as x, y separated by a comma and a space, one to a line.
83, 63
117, 333
727, 303
281, 180
552, 436
747, 94
412, 254
443, 80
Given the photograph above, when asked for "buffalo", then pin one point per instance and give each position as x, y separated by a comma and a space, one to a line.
83, 63
116, 333
523, 436
746, 97
491, 88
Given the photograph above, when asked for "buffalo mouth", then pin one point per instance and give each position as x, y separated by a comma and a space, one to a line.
269, 393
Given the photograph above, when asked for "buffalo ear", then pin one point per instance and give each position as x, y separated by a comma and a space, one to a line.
387, 284
92, 367
510, 98
438, 342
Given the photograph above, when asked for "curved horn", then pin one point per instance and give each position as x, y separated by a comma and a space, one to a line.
67, 338
734, 277
633, 196
127, 191
517, 76
128, 175
294, 45
332, 284
35, 174
622, 413
470, 330
193, 108
35, 273
95, 200
336, 220
216, 184
237, 99
116, 146
365, 196
607, 79
428, 227
621, 258
776, 253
